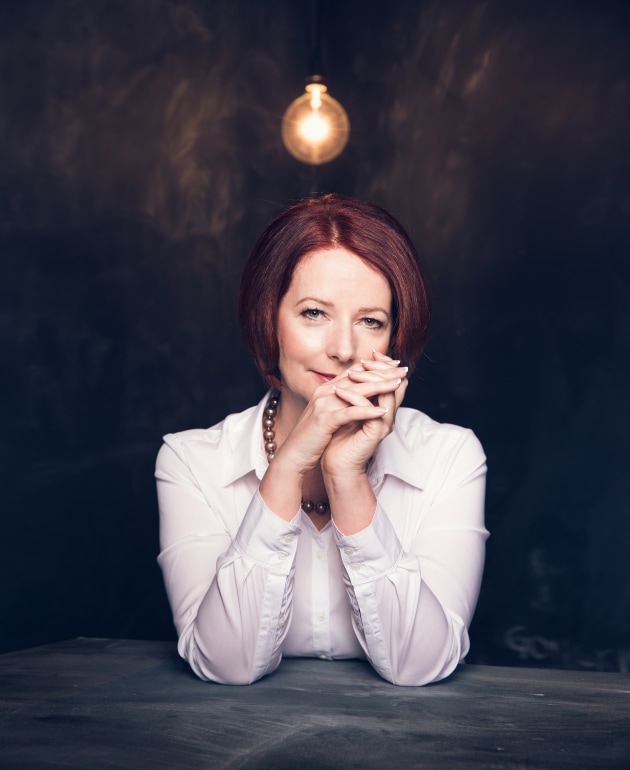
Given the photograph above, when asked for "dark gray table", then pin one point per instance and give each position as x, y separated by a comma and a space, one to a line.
102, 703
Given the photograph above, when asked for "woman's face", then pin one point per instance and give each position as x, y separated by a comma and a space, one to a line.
336, 311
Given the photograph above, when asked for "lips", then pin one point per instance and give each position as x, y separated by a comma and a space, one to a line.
322, 377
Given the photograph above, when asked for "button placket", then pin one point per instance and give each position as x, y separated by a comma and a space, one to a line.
320, 594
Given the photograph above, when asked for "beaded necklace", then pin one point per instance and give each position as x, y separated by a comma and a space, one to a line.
269, 434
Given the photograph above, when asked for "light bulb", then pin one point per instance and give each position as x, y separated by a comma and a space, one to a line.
315, 127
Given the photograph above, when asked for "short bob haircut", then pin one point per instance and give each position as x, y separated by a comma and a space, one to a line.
329, 222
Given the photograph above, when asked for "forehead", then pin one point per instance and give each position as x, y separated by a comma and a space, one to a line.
338, 269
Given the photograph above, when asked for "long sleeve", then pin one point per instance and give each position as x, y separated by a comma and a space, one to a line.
230, 592
412, 603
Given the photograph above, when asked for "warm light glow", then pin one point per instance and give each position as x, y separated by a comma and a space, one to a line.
316, 90
315, 127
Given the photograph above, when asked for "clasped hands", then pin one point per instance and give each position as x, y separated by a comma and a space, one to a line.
368, 398
337, 434
348, 417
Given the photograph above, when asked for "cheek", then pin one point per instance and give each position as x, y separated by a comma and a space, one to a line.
290, 342
384, 344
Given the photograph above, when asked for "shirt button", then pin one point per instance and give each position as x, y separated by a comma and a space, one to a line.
355, 566
320, 554
281, 622
348, 550
320, 616
289, 538
282, 555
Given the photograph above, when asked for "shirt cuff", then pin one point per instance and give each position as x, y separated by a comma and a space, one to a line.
267, 539
372, 552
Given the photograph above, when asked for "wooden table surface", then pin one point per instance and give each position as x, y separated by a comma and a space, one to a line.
106, 703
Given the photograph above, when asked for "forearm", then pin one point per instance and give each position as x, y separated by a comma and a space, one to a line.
411, 628
232, 610
352, 501
407, 635
237, 634
281, 487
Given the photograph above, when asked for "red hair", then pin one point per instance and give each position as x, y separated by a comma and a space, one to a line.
329, 222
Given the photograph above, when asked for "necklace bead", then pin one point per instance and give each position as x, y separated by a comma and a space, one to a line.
269, 434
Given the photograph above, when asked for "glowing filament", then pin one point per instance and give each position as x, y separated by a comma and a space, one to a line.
314, 128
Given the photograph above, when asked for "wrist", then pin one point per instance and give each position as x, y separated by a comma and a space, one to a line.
348, 471
281, 487
291, 461
345, 481
352, 502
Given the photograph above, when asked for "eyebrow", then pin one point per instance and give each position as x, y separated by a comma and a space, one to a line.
366, 310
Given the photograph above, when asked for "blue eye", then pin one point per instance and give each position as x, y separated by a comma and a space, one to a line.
373, 323
312, 312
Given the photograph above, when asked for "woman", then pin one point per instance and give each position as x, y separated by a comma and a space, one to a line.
326, 521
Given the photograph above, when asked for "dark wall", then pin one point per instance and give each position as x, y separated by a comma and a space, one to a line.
140, 155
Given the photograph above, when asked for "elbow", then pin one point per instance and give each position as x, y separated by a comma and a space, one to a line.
209, 672
421, 676
433, 661
213, 666
217, 678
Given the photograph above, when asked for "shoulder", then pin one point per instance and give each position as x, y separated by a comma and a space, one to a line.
421, 451
417, 429
208, 444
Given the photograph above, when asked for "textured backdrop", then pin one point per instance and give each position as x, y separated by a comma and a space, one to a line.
140, 156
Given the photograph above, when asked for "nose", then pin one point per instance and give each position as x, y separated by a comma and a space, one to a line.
342, 344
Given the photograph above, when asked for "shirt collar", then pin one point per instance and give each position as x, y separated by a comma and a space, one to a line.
243, 433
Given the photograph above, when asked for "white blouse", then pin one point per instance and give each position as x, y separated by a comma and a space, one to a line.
247, 587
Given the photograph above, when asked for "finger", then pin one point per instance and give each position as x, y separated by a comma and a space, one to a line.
358, 367
383, 366
358, 401
388, 375
399, 394
394, 399
388, 401
327, 388
369, 386
383, 357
